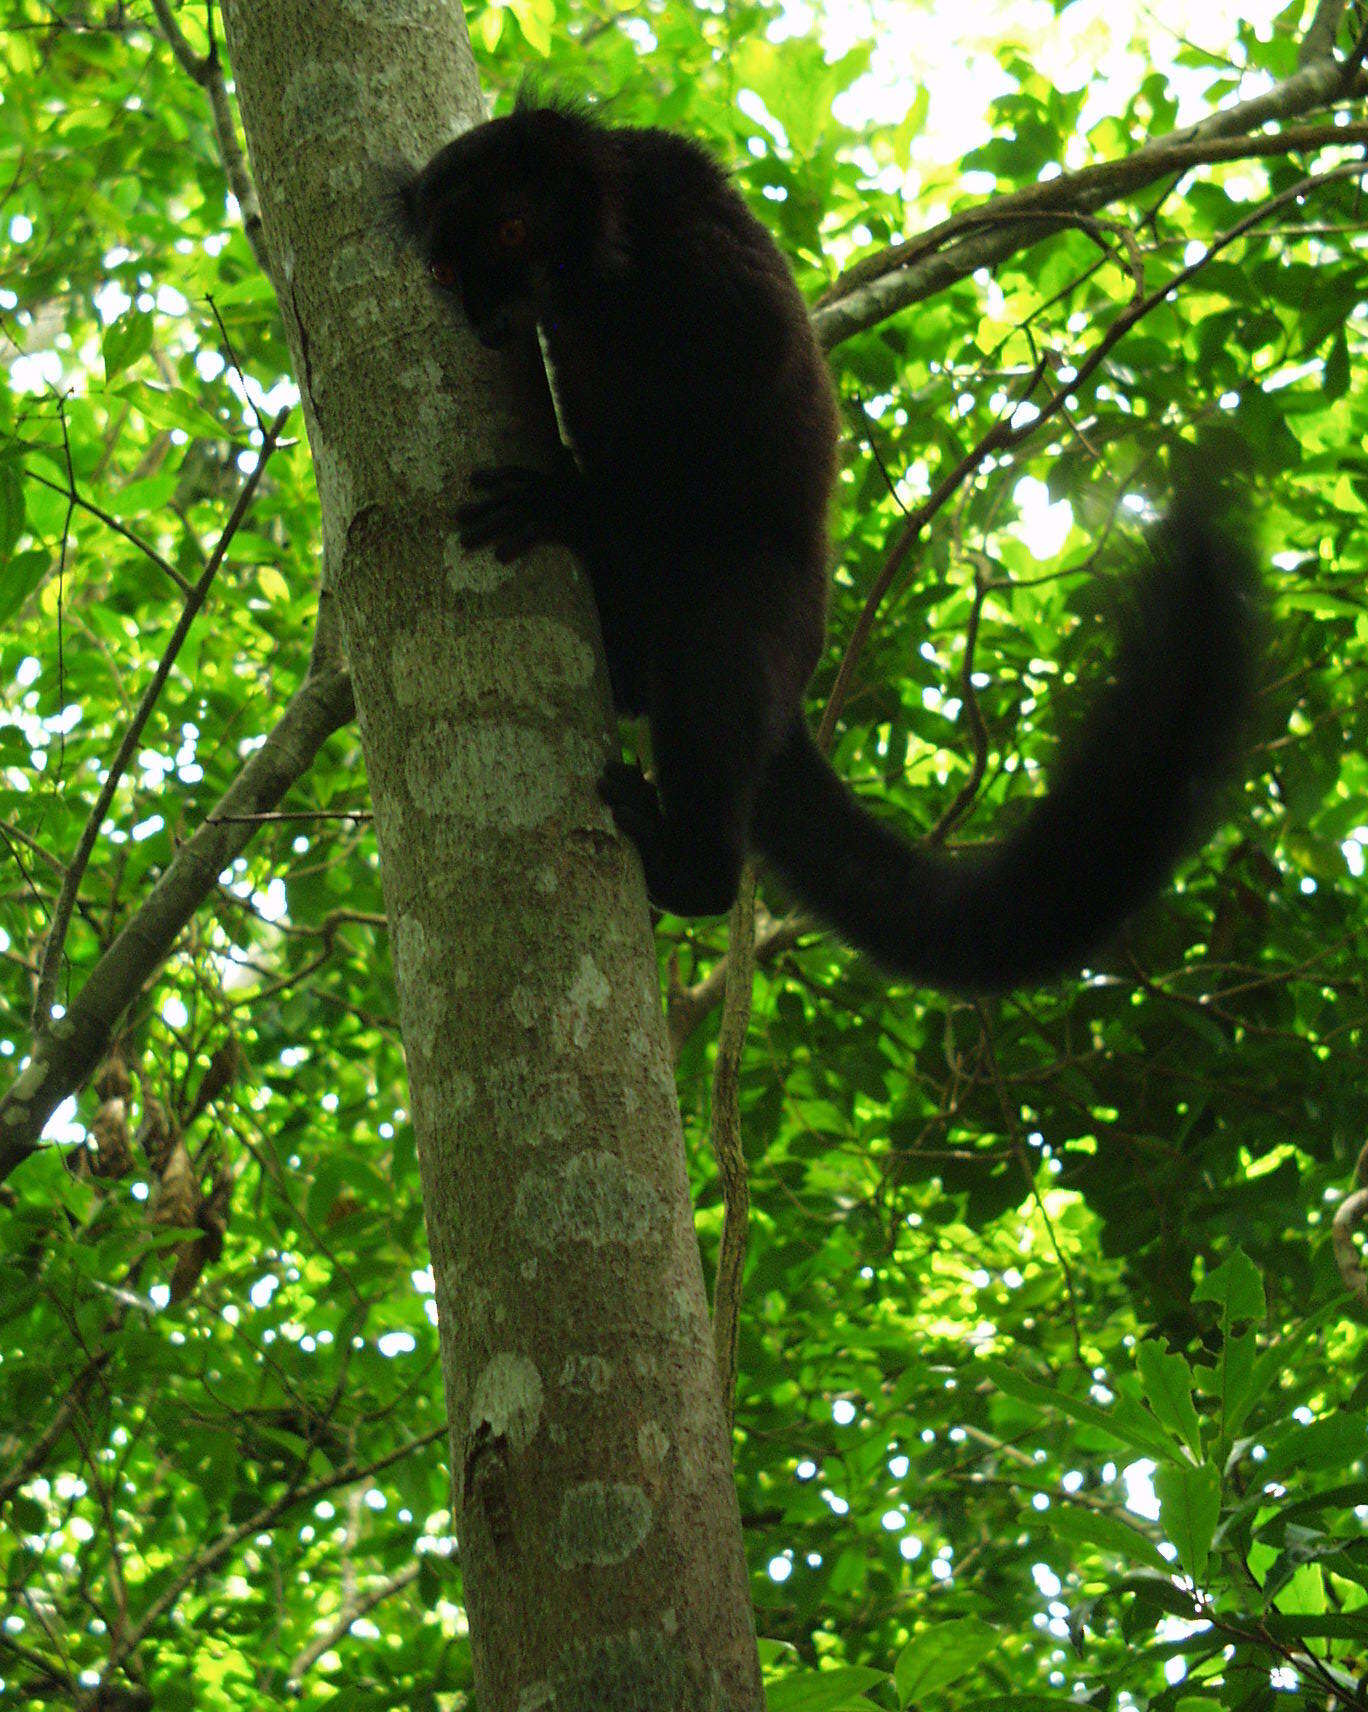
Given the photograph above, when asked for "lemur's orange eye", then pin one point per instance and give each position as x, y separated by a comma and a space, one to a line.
443, 273
511, 233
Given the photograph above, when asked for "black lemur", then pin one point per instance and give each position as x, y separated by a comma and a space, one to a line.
704, 430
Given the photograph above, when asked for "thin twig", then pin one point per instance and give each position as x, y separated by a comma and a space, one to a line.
726, 1138
9, 830
262, 1518
66, 901
61, 1063
1006, 435
38, 1452
236, 366
969, 696
337, 1632
1056, 199
208, 73
880, 286
1354, 59
1012, 1121
1349, 1215
163, 565
1319, 40
357, 814
687, 1006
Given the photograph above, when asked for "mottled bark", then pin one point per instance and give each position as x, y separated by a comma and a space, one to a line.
599, 1535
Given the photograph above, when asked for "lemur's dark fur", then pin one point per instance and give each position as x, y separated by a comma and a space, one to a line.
704, 430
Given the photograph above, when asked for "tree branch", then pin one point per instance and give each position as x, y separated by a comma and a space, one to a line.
163, 564
879, 286
38, 1452
208, 73
66, 899
1319, 40
726, 1138
266, 1516
76, 1043
337, 1632
686, 1007
1351, 1213
1006, 435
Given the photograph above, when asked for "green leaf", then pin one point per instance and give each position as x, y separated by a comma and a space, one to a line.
1237, 1378
1334, 1627
1108, 1534
1128, 1432
27, 1515
941, 1655
1335, 374
1168, 1385
1351, 1494
124, 341
1338, 1441
822, 1690
1302, 1594
1021, 1703
1189, 1508
139, 498
1277, 1358
1237, 1286
535, 20
11, 506
19, 576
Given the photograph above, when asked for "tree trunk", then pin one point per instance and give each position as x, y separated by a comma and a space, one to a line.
599, 1535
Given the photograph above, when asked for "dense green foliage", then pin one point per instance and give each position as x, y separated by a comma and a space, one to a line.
1049, 1385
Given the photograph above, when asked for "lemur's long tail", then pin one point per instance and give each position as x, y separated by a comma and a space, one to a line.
1132, 793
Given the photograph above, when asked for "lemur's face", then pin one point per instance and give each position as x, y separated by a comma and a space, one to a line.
483, 228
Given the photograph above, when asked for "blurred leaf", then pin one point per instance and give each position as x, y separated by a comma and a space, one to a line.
822, 1691
1190, 1506
125, 340
941, 1655
1168, 1391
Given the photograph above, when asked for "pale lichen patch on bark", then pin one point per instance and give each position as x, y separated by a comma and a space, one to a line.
437, 1099
508, 1400
524, 661
29, 1080
417, 453
470, 572
494, 773
346, 176
683, 1321
422, 379
352, 274
638, 1671
593, 1198
589, 991
601, 1522
525, 1006
532, 1106
422, 998
587, 1374
322, 100
653, 1443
